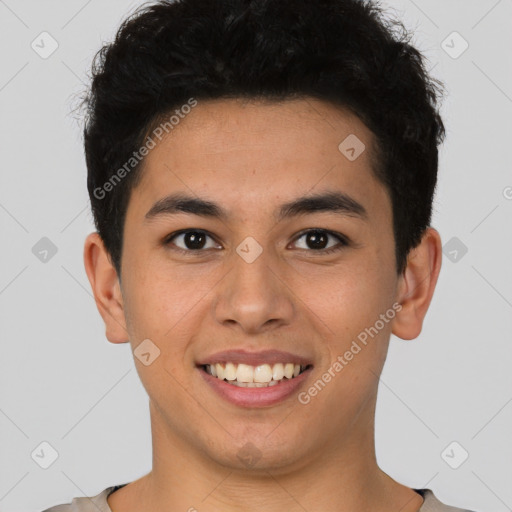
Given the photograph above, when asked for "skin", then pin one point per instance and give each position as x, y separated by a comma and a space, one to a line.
250, 157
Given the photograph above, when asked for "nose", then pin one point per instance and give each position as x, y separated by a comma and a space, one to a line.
254, 296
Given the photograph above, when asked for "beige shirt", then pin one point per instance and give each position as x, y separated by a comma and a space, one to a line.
99, 503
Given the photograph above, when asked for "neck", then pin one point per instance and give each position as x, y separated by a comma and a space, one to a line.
342, 476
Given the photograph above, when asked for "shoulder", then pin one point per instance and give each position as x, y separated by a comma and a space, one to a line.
432, 504
97, 503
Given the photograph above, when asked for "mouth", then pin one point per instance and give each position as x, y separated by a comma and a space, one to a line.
249, 376
255, 379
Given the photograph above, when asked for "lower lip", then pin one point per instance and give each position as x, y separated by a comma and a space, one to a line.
255, 397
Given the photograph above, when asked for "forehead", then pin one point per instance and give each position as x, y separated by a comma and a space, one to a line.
246, 152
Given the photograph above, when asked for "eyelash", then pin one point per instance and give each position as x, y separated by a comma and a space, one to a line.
344, 241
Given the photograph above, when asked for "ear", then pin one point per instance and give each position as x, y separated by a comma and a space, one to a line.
106, 288
416, 285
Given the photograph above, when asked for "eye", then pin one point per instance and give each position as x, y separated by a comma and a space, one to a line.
317, 239
192, 240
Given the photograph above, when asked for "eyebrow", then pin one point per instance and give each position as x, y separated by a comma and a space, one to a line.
336, 202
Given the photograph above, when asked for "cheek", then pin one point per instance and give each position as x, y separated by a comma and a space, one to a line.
161, 307
163, 301
346, 302
357, 340
349, 295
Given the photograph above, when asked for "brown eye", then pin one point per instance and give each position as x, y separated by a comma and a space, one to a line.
190, 240
318, 240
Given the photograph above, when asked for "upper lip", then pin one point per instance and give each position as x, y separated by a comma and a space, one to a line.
242, 356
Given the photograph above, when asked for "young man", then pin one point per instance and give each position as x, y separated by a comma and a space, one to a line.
261, 175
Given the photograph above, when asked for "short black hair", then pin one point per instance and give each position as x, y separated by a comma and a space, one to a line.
346, 52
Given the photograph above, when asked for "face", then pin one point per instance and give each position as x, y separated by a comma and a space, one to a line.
243, 273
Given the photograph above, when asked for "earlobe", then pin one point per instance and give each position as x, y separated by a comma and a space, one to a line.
106, 289
417, 284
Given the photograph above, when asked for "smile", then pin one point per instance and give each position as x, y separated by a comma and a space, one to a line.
264, 375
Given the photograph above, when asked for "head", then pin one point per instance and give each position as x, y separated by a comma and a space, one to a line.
273, 118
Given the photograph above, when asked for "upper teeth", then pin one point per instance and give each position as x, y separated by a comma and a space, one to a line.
247, 373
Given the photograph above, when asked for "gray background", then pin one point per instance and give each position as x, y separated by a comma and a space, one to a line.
62, 382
